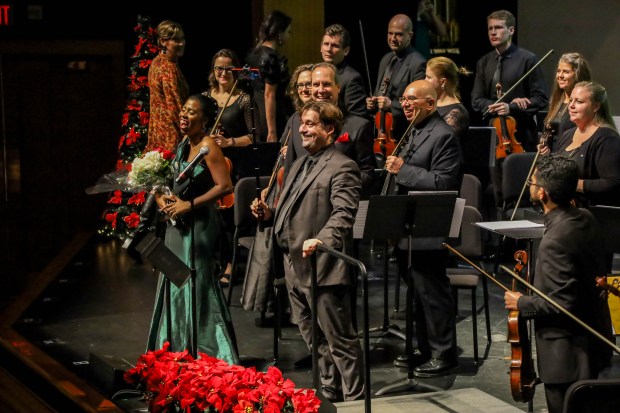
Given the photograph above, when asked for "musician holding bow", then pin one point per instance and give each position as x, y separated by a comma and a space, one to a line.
570, 256
431, 160
505, 65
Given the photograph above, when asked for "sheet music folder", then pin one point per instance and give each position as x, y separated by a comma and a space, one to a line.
424, 215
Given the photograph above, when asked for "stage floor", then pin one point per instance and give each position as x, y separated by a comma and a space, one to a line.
100, 304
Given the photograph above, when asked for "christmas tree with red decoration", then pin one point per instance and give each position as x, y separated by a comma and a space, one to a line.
122, 213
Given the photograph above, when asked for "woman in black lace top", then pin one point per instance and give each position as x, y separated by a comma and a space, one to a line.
444, 75
269, 92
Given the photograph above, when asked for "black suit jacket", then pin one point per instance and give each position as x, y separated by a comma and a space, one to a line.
434, 161
570, 256
352, 96
413, 67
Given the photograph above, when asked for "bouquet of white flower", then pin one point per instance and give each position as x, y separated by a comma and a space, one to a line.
151, 170
146, 172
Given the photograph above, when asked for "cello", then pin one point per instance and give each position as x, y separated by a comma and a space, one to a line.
522, 374
506, 128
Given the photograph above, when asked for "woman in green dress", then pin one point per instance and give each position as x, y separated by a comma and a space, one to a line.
194, 200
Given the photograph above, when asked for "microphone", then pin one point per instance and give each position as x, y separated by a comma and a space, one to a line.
204, 151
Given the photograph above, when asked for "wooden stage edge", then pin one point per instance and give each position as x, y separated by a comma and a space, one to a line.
29, 368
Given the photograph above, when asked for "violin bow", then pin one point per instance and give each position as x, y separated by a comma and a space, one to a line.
550, 129
276, 167
501, 99
537, 291
365, 58
562, 309
219, 116
397, 149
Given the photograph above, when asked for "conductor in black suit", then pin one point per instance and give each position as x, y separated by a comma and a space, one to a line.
335, 47
430, 161
399, 67
570, 257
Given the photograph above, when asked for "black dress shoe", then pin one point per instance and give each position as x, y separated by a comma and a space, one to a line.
418, 358
435, 368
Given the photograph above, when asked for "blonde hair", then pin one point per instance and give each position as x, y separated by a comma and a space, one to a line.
446, 68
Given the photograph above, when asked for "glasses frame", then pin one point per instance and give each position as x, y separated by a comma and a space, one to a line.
303, 86
221, 69
410, 100
529, 182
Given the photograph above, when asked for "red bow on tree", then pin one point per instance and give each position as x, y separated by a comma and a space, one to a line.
343, 138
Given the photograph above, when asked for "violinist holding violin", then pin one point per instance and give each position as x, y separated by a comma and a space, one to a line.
513, 62
399, 67
569, 258
235, 125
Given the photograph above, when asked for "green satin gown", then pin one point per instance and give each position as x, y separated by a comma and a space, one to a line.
216, 335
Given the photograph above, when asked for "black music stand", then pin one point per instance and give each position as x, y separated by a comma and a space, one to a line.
359, 232
425, 217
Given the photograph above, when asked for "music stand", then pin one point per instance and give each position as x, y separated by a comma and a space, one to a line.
358, 233
399, 216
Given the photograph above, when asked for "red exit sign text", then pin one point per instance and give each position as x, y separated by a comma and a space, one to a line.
5, 15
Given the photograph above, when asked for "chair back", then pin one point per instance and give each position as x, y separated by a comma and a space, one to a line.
245, 193
515, 170
471, 191
593, 396
471, 235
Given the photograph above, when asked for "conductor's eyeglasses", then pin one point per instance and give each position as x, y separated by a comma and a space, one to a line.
302, 86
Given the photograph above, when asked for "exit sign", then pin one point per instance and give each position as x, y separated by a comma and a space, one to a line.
6, 15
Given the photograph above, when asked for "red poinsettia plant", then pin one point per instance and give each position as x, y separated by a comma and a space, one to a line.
176, 382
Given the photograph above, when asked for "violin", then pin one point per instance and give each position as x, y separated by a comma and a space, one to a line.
277, 175
522, 375
506, 126
384, 142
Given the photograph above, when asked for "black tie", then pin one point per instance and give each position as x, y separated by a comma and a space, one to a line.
497, 75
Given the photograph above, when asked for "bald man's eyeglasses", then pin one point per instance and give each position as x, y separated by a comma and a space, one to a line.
409, 99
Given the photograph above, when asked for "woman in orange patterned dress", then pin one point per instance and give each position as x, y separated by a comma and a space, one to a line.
168, 88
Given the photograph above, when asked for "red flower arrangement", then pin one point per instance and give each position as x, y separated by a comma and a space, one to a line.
120, 215
176, 382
